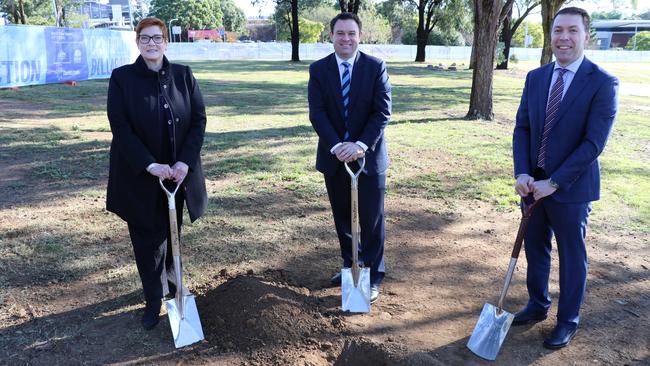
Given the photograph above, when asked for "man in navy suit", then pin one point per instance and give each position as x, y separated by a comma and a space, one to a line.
566, 114
349, 107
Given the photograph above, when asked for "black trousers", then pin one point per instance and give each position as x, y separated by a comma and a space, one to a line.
153, 253
371, 219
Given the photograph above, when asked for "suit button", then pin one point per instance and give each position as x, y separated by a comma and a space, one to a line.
169, 122
166, 105
177, 119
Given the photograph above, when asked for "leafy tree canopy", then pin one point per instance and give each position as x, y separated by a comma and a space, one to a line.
534, 29
642, 42
234, 19
191, 14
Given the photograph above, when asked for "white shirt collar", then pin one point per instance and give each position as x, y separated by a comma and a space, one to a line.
339, 60
573, 67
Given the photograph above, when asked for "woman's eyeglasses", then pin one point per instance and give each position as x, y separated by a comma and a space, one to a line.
157, 39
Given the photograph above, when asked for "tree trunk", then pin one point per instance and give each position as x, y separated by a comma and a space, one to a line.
472, 57
295, 32
486, 26
21, 11
420, 54
549, 8
422, 38
350, 6
506, 38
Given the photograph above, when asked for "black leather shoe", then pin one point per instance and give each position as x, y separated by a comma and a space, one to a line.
374, 293
336, 279
527, 316
560, 336
151, 316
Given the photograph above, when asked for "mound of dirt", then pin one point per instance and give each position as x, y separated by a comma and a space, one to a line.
246, 313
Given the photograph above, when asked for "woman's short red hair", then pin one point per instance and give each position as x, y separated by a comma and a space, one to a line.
151, 21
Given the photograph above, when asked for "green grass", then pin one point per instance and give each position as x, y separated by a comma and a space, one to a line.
260, 149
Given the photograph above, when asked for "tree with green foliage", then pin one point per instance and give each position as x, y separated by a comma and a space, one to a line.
310, 31
488, 14
437, 37
400, 15
350, 6
322, 14
642, 42
534, 30
510, 26
444, 13
234, 18
34, 12
607, 15
286, 15
375, 27
191, 14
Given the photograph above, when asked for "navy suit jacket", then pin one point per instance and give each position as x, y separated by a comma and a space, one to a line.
368, 112
584, 121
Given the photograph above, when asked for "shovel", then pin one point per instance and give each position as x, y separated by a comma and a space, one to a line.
355, 281
181, 310
494, 322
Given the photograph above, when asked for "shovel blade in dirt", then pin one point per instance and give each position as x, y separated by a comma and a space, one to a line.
355, 294
490, 332
181, 310
185, 322
493, 324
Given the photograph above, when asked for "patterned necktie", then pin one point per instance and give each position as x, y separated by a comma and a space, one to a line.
345, 91
551, 111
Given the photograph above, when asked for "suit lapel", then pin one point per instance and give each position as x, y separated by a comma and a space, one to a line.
334, 78
547, 75
580, 80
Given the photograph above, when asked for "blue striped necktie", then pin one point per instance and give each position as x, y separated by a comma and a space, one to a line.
345, 92
552, 107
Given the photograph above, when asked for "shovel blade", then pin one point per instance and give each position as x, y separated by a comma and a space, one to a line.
186, 325
490, 332
355, 297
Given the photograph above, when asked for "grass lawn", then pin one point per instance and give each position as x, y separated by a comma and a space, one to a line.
259, 143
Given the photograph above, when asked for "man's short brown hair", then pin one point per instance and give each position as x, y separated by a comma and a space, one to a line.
586, 19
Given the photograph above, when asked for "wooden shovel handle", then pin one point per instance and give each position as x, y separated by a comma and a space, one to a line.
527, 208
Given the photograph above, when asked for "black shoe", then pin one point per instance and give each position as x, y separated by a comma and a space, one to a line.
527, 316
336, 280
560, 336
374, 293
151, 316
172, 290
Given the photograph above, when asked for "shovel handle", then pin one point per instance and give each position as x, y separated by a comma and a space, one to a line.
170, 195
355, 229
175, 244
527, 208
355, 175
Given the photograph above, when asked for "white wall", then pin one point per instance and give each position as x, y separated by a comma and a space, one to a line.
282, 51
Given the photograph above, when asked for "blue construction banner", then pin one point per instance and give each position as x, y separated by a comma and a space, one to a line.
32, 55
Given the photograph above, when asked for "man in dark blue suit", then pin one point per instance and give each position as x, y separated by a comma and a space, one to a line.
349, 107
566, 114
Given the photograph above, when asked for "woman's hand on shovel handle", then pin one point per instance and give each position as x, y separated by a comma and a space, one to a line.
524, 184
162, 171
179, 171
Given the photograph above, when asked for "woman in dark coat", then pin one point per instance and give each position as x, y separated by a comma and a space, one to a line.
157, 118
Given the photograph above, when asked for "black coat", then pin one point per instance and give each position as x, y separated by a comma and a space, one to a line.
138, 139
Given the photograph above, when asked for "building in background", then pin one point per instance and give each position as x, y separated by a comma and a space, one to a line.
114, 14
618, 33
